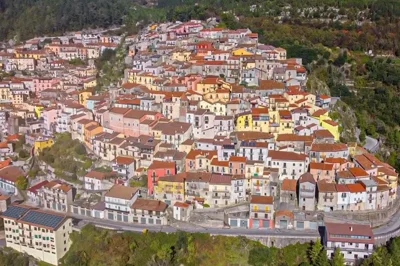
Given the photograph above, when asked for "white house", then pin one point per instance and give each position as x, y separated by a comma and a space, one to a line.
291, 165
118, 201
182, 211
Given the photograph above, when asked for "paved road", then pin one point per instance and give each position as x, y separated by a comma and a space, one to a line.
371, 144
120, 226
389, 228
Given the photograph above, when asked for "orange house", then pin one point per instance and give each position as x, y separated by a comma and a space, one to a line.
91, 131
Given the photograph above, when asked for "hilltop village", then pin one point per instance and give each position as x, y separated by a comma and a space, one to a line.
201, 118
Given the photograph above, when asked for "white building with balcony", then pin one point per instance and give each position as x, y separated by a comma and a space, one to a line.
118, 200
124, 166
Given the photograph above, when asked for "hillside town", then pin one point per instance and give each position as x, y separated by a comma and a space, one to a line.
203, 118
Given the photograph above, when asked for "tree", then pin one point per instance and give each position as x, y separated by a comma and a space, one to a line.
314, 251
337, 259
258, 256
23, 154
21, 182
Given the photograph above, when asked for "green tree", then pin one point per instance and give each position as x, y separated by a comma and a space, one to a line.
21, 182
314, 251
259, 256
337, 259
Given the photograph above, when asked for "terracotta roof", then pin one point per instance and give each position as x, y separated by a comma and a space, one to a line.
286, 155
334, 160
289, 184
293, 137
321, 166
345, 232
341, 188
96, 174
307, 177
161, 164
324, 186
261, 199
357, 171
207, 153
149, 205
287, 213
5, 163
319, 112
322, 134
11, 173
329, 147
34, 188
331, 122
181, 204
237, 159
220, 179
124, 160
121, 192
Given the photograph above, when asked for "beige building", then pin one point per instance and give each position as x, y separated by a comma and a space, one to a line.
56, 196
41, 234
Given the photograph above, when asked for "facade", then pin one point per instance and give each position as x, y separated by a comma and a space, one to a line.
261, 212
41, 234
307, 192
356, 241
56, 196
147, 211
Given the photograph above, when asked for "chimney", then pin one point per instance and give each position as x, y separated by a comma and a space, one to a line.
351, 228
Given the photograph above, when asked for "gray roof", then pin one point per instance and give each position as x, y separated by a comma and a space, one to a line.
15, 212
43, 218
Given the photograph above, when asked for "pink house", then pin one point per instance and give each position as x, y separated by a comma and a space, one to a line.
40, 84
116, 118
157, 169
133, 120
49, 117
237, 165
339, 164
322, 171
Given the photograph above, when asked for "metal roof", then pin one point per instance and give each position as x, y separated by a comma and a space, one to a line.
15, 212
43, 218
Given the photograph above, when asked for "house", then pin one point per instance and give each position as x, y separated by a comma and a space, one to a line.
41, 143
288, 191
343, 197
220, 190
148, 211
157, 169
326, 196
182, 211
56, 196
261, 212
307, 192
118, 200
8, 178
356, 241
41, 234
124, 166
5, 201
32, 192
284, 219
97, 181
291, 165
170, 188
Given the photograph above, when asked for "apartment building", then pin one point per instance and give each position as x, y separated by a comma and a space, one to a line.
307, 191
97, 181
41, 234
170, 188
356, 241
124, 166
291, 165
56, 196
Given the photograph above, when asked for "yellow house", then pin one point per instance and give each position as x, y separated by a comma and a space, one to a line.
218, 95
219, 108
89, 83
244, 122
241, 51
181, 55
332, 126
5, 93
170, 188
83, 96
38, 110
91, 130
260, 119
207, 85
29, 54
42, 143
146, 79
285, 122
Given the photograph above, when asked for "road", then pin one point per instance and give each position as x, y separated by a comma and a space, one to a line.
387, 229
371, 144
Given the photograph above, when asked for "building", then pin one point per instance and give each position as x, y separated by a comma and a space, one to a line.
41, 234
118, 200
261, 212
307, 191
124, 166
56, 196
8, 177
98, 181
147, 211
182, 211
356, 241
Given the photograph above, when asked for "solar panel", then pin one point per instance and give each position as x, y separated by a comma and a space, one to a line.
45, 219
15, 212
